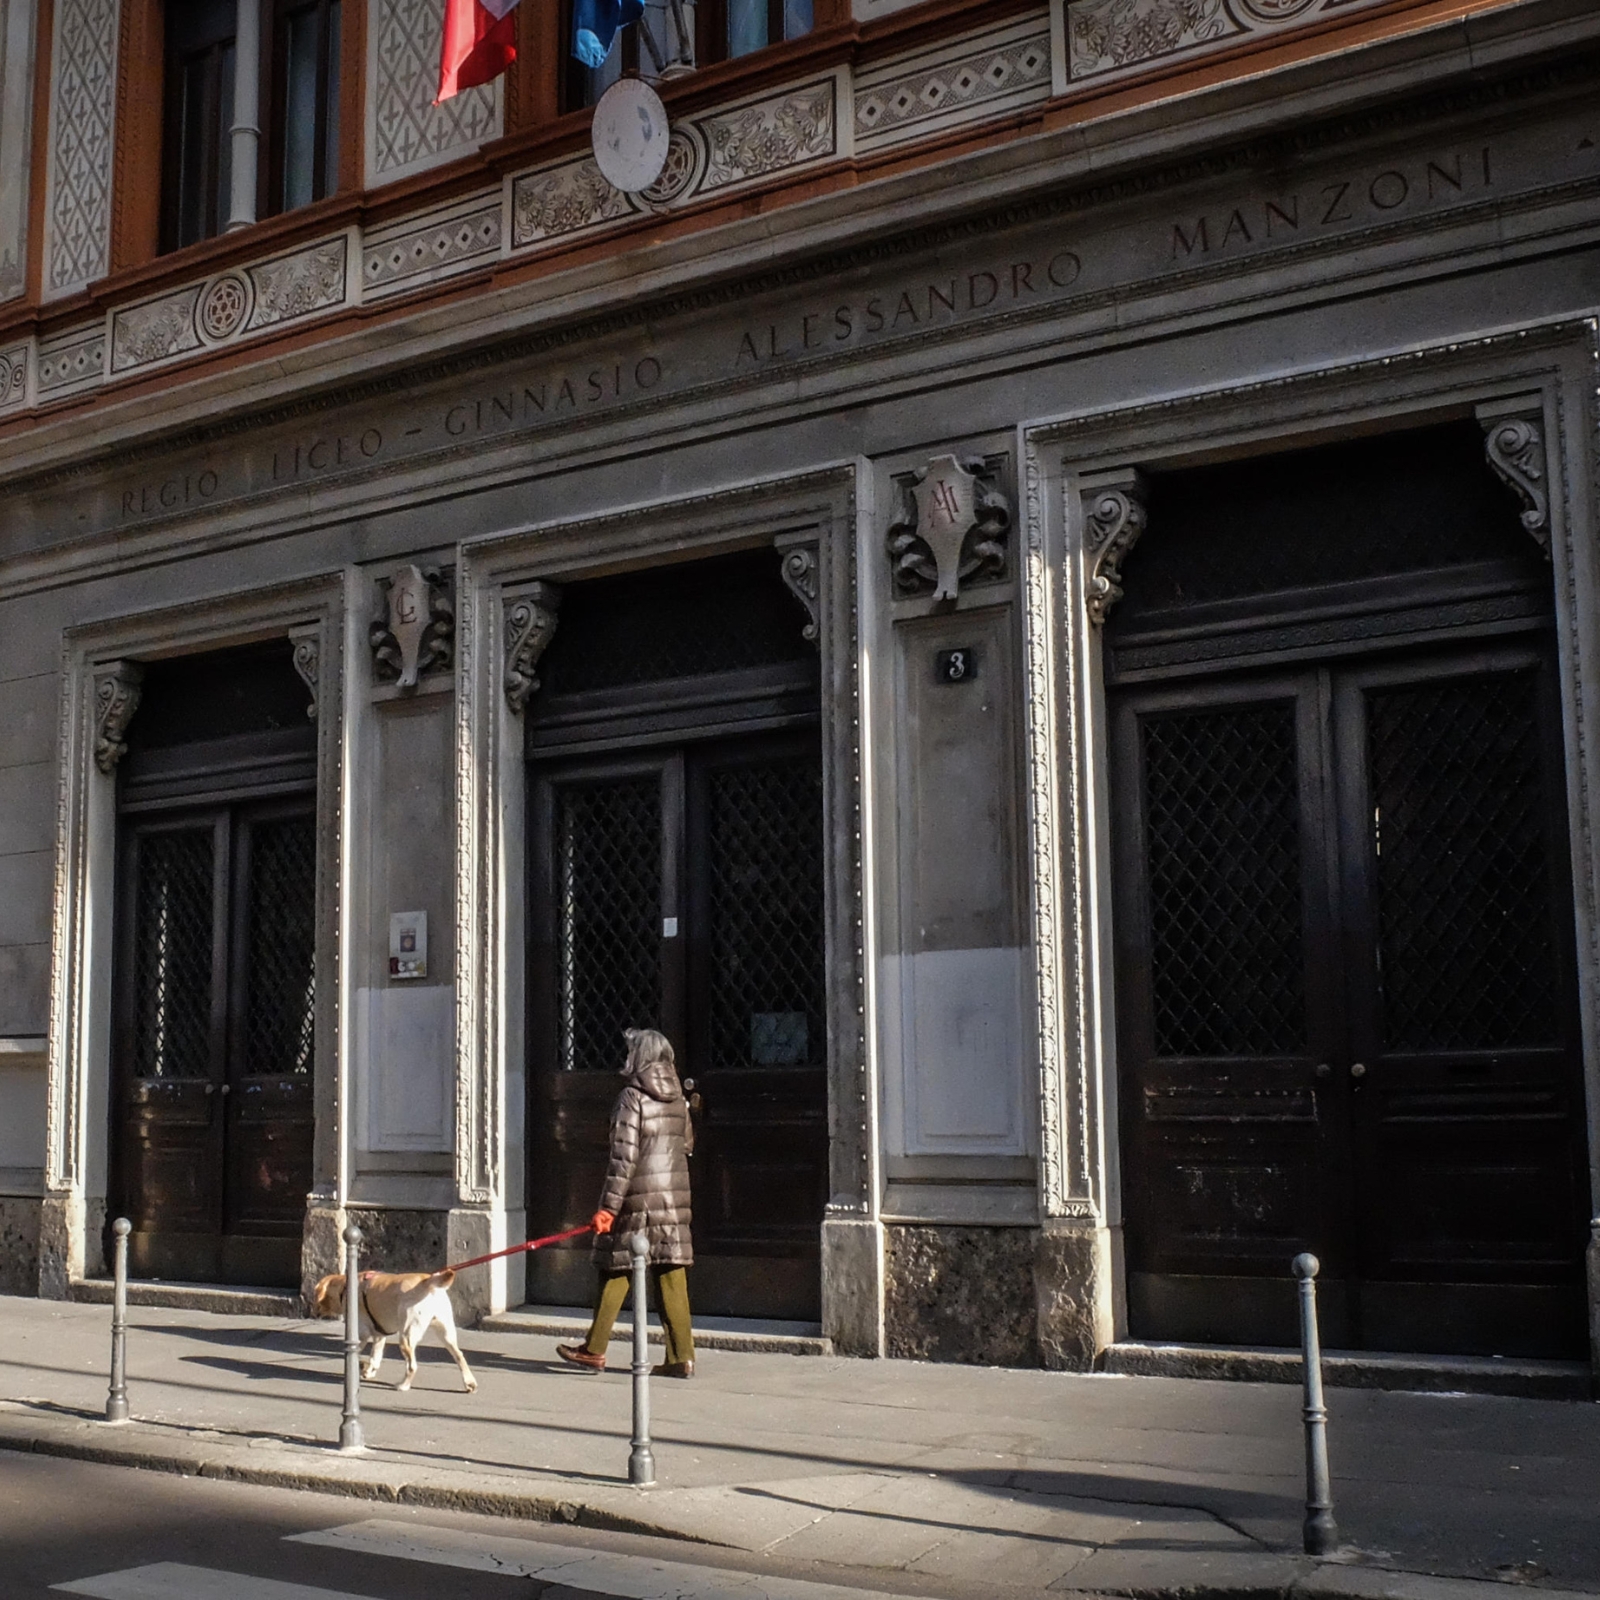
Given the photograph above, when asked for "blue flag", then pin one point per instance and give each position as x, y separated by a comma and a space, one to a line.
595, 24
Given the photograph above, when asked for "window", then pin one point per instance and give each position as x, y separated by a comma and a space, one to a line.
304, 160
675, 35
297, 157
197, 156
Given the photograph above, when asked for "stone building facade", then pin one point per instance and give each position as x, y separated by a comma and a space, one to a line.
1033, 599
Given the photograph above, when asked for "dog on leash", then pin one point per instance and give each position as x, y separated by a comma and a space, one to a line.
397, 1305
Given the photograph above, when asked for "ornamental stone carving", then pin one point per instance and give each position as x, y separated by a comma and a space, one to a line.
1114, 515
1513, 441
531, 620
307, 643
769, 136
117, 687
802, 572
417, 631
950, 527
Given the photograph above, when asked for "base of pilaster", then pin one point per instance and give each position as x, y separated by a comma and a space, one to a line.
853, 1285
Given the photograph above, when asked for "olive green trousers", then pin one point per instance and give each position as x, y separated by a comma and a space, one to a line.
672, 1297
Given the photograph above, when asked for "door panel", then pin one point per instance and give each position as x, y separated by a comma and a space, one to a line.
1223, 930
214, 1042
684, 891
1468, 1172
172, 1022
1345, 1006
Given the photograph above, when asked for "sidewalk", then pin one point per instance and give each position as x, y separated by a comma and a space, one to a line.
1030, 1479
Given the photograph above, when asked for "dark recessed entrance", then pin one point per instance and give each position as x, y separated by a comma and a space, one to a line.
1346, 1003
677, 882
215, 970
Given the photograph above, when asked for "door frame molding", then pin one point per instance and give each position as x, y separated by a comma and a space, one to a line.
813, 521
1082, 513
312, 613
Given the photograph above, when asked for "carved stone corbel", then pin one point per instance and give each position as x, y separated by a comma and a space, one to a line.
531, 619
1513, 441
307, 645
417, 631
1115, 510
117, 687
950, 526
802, 572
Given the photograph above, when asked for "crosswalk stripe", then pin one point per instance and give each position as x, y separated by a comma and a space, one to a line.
594, 1571
172, 1580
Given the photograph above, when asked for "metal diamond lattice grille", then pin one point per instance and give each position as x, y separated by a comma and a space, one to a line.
172, 956
1466, 948
765, 837
281, 1012
608, 906
1223, 842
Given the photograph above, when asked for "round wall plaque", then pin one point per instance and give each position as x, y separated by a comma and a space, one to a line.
630, 135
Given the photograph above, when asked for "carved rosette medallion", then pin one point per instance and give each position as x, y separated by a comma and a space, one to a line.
307, 643
224, 304
117, 687
1515, 449
1114, 515
530, 626
802, 573
686, 160
950, 528
416, 633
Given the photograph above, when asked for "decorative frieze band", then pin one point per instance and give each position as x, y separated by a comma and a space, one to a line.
716, 151
963, 80
1106, 39
231, 306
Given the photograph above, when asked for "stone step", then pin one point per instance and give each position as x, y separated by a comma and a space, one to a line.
710, 1333
226, 1299
1355, 1369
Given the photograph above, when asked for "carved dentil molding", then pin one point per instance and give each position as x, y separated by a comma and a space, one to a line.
117, 687
417, 631
949, 528
530, 626
307, 643
802, 573
1115, 511
1513, 442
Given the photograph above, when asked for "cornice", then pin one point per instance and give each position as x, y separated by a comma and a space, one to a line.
1233, 128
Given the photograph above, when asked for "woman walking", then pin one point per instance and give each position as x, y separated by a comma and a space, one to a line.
646, 1190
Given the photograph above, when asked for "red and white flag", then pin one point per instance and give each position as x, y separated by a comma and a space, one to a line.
479, 43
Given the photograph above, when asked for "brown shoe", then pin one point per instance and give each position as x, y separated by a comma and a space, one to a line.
673, 1369
579, 1357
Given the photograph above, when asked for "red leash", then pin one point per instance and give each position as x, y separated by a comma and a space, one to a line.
517, 1249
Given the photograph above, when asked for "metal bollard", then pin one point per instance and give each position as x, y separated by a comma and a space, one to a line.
117, 1396
1321, 1531
350, 1423
641, 1459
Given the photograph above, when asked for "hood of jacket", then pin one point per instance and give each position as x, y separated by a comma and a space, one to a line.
658, 1079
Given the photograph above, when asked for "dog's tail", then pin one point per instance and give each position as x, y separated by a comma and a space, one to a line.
443, 1280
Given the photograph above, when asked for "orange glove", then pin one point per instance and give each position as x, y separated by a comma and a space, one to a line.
601, 1222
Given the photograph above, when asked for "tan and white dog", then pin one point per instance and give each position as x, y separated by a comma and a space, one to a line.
397, 1305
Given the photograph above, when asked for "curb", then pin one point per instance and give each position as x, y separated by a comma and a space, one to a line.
286, 1463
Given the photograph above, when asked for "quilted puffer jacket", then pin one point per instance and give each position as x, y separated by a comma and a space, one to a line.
647, 1180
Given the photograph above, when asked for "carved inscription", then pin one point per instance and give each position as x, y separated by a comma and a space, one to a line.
1339, 203
906, 310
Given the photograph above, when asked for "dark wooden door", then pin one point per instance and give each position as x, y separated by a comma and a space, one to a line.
214, 1024
682, 889
1345, 1005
